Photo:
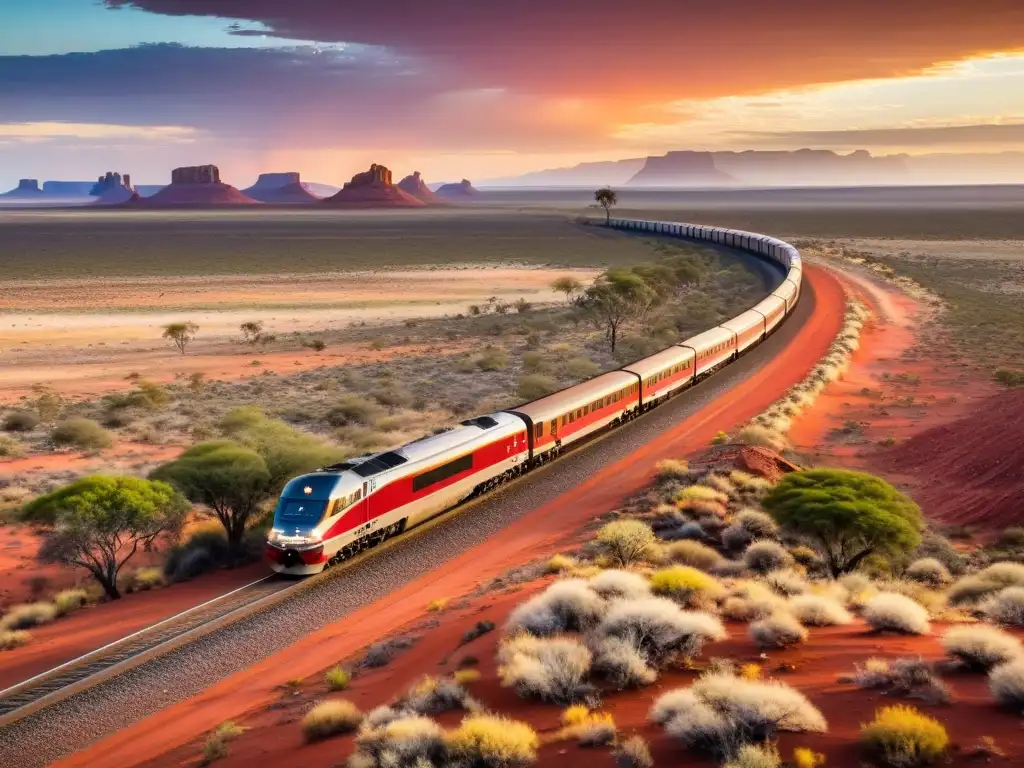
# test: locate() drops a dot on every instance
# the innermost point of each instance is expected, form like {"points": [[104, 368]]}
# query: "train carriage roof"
{"points": [[707, 339], [575, 397], [659, 361], [744, 322]]}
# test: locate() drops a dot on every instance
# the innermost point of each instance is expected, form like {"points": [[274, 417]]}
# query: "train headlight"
{"points": [[283, 539]]}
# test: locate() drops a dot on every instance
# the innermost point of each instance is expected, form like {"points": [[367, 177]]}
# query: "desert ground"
{"points": [[917, 405]]}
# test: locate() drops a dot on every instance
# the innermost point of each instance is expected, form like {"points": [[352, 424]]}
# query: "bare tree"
{"points": [[607, 199], [181, 334]]}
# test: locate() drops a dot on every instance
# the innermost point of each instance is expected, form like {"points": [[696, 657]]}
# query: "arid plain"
{"points": [[373, 312]]}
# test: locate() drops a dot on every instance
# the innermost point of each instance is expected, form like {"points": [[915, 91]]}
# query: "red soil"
{"points": [[547, 529], [749, 458], [974, 467], [95, 626], [193, 195]]}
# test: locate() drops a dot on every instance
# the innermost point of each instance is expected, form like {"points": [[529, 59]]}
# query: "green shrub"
{"points": [[903, 737], [535, 386], [337, 678], [685, 585], [493, 359], [20, 421], [84, 434], [1009, 378], [626, 541], [582, 368], [353, 409]]}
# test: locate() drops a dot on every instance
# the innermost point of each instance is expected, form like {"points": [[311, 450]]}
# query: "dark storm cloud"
{"points": [[315, 97], [893, 137], [644, 48]]}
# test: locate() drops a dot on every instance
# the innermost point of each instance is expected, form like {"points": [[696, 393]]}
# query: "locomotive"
{"points": [[331, 514]]}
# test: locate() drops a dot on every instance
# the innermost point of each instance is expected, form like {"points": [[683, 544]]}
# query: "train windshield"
{"points": [[300, 512]]}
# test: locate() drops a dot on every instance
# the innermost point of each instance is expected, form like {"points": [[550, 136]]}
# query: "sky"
{"points": [[468, 88]]}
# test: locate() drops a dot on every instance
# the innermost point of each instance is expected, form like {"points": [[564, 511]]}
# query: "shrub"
{"points": [[807, 758], [216, 746], [756, 756], [28, 615], [736, 538], [438, 605], [765, 556], [622, 662], [851, 513], [981, 647], [660, 628], [535, 386], [337, 678], [687, 586], [615, 584], [701, 493], [566, 606], [692, 530], [890, 612], [433, 695], [672, 469], [1007, 684], [330, 718], [353, 409], [780, 630], [748, 482], [490, 741], [410, 740], [465, 676], [818, 611], [903, 737], [1006, 607], [11, 448], [992, 579], [758, 524], [13, 638], [493, 359], [144, 579], [633, 753], [590, 729], [721, 712], [559, 563], [902, 677], [552, 669], [751, 600], [626, 541], [70, 600], [694, 554], [928, 571], [581, 368], [786, 582], [84, 434], [20, 421]]}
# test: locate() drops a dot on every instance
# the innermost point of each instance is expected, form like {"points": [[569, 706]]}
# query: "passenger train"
{"points": [[333, 513]]}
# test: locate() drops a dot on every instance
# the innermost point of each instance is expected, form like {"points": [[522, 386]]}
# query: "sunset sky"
{"points": [[483, 88]]}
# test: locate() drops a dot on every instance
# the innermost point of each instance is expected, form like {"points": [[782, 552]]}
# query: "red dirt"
{"points": [[547, 529], [193, 195], [974, 466], [95, 626]]}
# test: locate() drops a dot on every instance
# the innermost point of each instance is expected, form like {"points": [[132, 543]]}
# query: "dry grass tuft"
{"points": [[903, 737], [331, 718]]}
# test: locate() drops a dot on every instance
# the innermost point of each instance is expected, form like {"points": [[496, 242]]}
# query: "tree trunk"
{"points": [[607, 217], [109, 586]]}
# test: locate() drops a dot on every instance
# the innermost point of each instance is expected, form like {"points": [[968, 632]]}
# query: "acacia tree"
{"points": [[228, 478], [568, 285], [850, 515], [99, 523], [607, 199], [181, 334], [616, 297]]}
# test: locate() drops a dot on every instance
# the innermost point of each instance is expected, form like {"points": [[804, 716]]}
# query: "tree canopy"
{"points": [[99, 523], [607, 199], [616, 297], [181, 334], [850, 515]]}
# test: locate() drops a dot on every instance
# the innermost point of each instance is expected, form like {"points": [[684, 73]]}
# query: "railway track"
{"points": [[49, 687]]}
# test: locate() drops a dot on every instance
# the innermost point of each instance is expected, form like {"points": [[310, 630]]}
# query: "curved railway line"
{"points": [[202, 645]]}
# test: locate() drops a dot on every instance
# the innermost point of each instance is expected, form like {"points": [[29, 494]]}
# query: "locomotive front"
{"points": [[295, 543]]}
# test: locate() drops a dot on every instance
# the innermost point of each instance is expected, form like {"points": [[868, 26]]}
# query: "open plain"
{"points": [[939, 271]]}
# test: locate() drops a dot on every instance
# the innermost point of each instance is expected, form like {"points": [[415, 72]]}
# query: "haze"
{"points": [[495, 90]]}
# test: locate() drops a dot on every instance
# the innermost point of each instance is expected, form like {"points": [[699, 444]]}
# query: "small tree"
{"points": [[99, 523], [568, 285], [230, 479], [607, 199], [252, 331], [617, 297], [181, 334], [851, 515]]}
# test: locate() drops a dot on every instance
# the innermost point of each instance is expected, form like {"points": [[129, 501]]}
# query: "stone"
{"points": [[373, 188], [415, 186], [464, 190]]}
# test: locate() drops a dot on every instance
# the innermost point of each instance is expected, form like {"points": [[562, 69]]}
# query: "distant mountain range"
{"points": [[804, 167]]}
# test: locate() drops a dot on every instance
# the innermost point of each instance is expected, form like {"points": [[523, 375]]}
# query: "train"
{"points": [[336, 512]]}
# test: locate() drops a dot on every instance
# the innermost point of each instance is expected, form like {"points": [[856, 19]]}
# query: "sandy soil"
{"points": [[83, 337], [544, 531]]}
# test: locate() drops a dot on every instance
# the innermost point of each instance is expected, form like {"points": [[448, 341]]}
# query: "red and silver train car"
{"points": [[340, 510]]}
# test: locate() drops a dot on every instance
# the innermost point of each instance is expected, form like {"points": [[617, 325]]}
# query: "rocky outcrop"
{"points": [[25, 188], [280, 188], [464, 190], [681, 169], [195, 186], [112, 188], [373, 189], [415, 186]]}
